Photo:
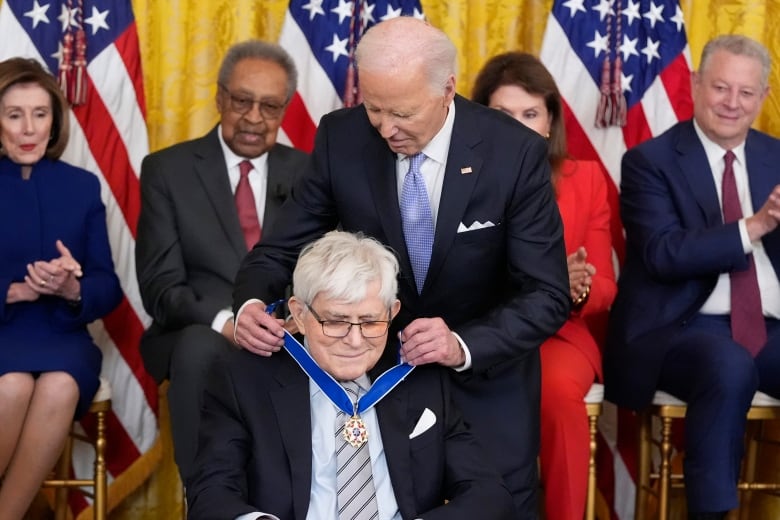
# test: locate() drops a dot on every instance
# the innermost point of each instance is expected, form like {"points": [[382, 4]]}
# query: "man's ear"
{"points": [[297, 309], [395, 308]]}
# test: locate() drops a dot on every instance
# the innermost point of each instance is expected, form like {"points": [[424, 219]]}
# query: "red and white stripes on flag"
{"points": [[633, 57], [108, 137], [321, 37]]}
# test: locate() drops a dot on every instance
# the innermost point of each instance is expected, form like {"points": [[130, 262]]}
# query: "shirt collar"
{"points": [[714, 151], [438, 147], [232, 160]]}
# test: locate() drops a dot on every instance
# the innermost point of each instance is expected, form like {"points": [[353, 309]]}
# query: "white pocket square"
{"points": [[424, 423], [476, 225]]}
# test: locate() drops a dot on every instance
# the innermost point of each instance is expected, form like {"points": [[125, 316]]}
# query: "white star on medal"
{"points": [[355, 432]]}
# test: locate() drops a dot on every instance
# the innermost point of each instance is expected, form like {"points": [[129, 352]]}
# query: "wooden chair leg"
{"points": [[643, 481], [590, 503], [665, 483], [749, 470], [101, 479], [63, 473]]}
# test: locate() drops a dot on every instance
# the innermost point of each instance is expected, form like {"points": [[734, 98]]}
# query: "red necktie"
{"points": [[245, 204], [747, 319]]}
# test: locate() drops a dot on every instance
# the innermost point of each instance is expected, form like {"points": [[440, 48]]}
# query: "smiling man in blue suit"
{"points": [[462, 194], [698, 299]]}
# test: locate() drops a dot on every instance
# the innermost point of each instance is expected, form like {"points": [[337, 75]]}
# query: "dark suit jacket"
{"points": [[255, 446], [676, 247], [189, 244], [504, 288]]}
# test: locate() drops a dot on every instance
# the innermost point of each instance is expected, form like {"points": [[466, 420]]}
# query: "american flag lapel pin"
{"points": [[465, 170]]}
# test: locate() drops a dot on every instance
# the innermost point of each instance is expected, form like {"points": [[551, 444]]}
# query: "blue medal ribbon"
{"points": [[334, 391], [330, 387]]}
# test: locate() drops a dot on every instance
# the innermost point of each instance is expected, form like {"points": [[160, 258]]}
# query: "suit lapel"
{"points": [[761, 173], [762, 178], [279, 180], [695, 169], [392, 413], [384, 190], [212, 172], [291, 403], [457, 187]]}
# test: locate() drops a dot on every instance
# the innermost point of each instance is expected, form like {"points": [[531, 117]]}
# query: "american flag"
{"points": [[623, 68], [108, 137], [321, 36]]}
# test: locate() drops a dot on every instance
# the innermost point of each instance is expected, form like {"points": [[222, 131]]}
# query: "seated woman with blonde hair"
{"points": [[519, 85], [57, 275]]}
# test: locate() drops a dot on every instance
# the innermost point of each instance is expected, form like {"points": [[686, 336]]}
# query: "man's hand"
{"points": [[765, 219], [258, 331], [429, 340]]}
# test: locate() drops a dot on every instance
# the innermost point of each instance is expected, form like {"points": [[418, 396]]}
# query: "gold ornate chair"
{"points": [[593, 404], [61, 479], [666, 407]]}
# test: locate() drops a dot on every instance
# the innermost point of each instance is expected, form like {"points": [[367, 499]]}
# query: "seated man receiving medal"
{"points": [[324, 431]]}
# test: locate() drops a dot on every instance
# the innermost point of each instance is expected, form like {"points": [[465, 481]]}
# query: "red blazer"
{"points": [[582, 201]]}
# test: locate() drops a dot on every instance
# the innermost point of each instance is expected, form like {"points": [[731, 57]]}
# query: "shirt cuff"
{"points": [[220, 319], [466, 354], [747, 246]]}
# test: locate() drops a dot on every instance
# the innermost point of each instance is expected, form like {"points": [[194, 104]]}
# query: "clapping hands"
{"points": [[58, 277], [580, 273]]}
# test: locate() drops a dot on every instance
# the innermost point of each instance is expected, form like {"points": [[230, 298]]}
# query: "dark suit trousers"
{"points": [[503, 411], [192, 352], [717, 378]]}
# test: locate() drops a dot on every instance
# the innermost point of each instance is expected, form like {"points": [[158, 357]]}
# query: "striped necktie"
{"points": [[356, 494]]}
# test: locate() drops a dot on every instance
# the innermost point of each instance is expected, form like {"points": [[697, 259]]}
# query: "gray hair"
{"points": [[257, 49], [341, 265], [397, 43], [741, 46]]}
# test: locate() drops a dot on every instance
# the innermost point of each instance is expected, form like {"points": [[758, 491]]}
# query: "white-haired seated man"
{"points": [[328, 431]]}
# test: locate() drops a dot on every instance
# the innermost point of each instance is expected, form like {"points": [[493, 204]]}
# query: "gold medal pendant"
{"points": [[355, 431]]}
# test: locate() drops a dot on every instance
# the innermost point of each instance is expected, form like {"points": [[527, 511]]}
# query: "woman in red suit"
{"points": [[519, 85]]}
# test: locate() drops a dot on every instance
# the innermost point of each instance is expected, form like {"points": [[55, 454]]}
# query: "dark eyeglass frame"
{"points": [[242, 104], [341, 323]]}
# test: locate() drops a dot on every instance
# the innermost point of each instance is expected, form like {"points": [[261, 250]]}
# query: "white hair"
{"points": [[342, 265]]}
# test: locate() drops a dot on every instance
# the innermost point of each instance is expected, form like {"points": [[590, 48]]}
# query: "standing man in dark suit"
{"points": [[474, 222], [683, 321], [274, 440], [198, 219]]}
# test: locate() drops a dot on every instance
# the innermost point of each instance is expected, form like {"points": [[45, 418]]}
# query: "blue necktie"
{"points": [[417, 220]]}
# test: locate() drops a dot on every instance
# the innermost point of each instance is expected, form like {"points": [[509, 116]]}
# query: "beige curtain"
{"points": [[182, 42]]}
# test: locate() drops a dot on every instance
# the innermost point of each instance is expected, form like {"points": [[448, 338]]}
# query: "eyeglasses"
{"points": [[341, 329], [242, 104]]}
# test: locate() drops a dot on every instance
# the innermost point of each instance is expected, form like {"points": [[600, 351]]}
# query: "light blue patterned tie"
{"points": [[417, 220]]}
